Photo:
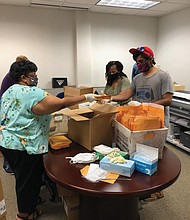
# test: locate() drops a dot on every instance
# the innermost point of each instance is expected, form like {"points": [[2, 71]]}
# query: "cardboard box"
{"points": [[146, 159], [91, 126], [71, 206], [70, 91], [70, 201], [77, 91], [2, 204], [126, 140], [125, 169], [59, 123], [62, 191], [178, 87]]}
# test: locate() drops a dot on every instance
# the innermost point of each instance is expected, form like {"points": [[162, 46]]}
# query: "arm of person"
{"points": [[51, 104], [123, 96], [166, 100]]}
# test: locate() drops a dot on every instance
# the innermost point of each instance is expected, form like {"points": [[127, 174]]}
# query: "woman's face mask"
{"points": [[143, 66], [33, 81]]}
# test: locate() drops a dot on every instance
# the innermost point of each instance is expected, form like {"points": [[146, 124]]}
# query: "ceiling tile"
{"points": [[152, 13], [15, 2], [90, 2], [76, 5], [47, 2], [167, 7], [179, 1], [126, 11], [102, 9]]}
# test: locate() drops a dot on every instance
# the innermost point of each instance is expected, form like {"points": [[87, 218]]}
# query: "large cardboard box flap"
{"points": [[103, 108], [98, 110]]}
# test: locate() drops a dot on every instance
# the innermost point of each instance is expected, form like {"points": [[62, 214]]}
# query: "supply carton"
{"points": [[70, 201], [62, 192], [2, 204], [71, 206], [59, 123], [77, 91], [70, 91], [146, 159], [178, 87], [91, 126], [125, 169], [126, 140]]}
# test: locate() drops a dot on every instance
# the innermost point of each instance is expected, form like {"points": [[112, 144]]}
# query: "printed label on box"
{"points": [[2, 207]]}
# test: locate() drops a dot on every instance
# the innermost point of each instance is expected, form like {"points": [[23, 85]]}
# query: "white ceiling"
{"points": [[165, 7]]}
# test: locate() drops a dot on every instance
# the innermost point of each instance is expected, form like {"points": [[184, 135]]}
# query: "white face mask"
{"points": [[83, 158]]}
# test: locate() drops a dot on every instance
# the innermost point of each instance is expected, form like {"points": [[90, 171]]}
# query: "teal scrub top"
{"points": [[24, 130]]}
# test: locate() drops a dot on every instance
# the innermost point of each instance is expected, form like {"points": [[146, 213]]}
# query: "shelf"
{"points": [[179, 114], [178, 144], [179, 124], [179, 120]]}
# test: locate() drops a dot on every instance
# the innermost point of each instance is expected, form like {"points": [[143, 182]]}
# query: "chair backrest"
{"points": [[60, 95]]}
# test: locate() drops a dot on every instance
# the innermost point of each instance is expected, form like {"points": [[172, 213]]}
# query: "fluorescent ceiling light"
{"points": [[140, 4]]}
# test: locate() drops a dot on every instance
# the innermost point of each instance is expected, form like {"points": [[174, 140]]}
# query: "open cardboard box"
{"points": [[91, 126], [126, 140]]}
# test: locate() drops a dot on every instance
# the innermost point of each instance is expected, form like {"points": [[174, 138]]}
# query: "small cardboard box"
{"points": [[62, 191], [71, 206], [126, 140], [71, 91], [125, 169], [59, 123], [178, 87], [91, 126], [77, 91], [146, 159], [2, 204]]}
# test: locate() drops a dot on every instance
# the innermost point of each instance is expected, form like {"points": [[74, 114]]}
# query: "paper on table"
{"points": [[111, 177]]}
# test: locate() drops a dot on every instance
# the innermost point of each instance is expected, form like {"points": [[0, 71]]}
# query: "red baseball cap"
{"points": [[144, 49]]}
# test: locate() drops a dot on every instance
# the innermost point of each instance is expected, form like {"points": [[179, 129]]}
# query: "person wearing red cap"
{"points": [[151, 85]]}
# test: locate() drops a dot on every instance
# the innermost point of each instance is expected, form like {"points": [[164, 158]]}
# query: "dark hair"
{"points": [[111, 78], [20, 68], [138, 53]]}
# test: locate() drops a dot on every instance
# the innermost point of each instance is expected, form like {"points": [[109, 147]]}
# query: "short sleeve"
{"points": [[35, 96]]}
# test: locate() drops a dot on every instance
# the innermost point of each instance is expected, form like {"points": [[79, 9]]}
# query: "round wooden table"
{"points": [[109, 201]]}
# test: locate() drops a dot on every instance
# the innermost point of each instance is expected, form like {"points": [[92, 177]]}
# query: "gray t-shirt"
{"points": [[152, 88]]}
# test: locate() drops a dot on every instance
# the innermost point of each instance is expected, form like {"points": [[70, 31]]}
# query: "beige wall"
{"points": [[173, 46], [74, 45]]}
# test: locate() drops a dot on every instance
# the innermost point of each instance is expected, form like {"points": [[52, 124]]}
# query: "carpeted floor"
{"points": [[174, 206]]}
